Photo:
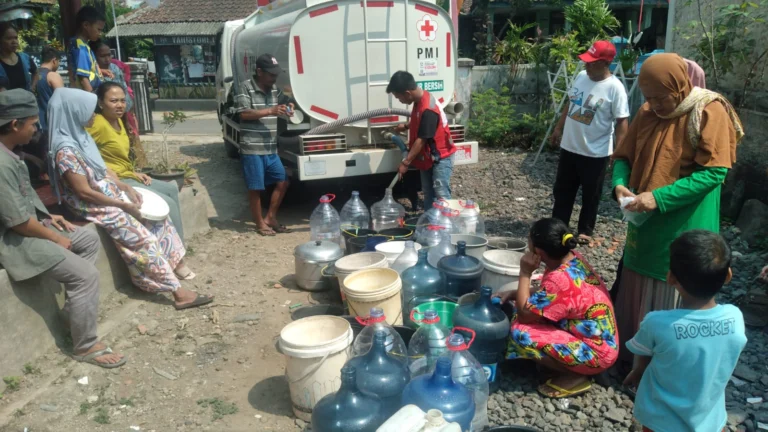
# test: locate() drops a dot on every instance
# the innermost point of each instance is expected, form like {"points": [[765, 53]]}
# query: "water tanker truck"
{"points": [[337, 58]]}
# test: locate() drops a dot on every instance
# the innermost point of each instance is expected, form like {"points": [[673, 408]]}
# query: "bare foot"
{"points": [[103, 359]]}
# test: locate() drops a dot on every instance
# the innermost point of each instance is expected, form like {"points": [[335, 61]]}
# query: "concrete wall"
{"points": [[29, 310], [731, 84]]}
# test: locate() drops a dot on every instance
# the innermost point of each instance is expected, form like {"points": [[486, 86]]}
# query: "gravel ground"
{"points": [[512, 195]]}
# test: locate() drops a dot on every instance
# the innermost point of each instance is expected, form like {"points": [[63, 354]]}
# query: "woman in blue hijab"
{"points": [[152, 250]]}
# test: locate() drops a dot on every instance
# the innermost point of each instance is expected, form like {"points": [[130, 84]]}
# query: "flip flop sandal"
{"points": [[198, 301], [185, 275], [264, 232], [90, 358], [584, 240], [282, 229], [561, 392]]}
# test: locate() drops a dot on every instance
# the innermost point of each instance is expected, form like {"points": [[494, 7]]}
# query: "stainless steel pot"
{"points": [[310, 259]]}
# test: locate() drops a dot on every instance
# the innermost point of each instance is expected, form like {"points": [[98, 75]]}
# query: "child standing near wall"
{"points": [[702, 339]]}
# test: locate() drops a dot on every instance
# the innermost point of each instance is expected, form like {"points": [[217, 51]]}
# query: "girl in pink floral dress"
{"points": [[151, 250], [568, 324]]}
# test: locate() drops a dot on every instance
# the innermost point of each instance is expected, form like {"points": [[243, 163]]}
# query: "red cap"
{"points": [[601, 50]]}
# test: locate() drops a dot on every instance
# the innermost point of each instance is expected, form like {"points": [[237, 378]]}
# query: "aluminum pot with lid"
{"points": [[310, 259]]}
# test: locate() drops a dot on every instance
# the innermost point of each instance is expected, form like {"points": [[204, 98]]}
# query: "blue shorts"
{"points": [[261, 171]]}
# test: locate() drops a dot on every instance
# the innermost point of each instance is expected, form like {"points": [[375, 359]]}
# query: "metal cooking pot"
{"points": [[310, 259]]}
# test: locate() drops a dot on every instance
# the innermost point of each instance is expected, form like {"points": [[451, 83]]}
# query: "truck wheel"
{"points": [[232, 151]]}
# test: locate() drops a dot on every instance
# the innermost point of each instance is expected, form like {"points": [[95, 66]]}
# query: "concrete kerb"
{"points": [[29, 310]]}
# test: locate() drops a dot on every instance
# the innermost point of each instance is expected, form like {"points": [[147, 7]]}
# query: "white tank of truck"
{"points": [[338, 57]]}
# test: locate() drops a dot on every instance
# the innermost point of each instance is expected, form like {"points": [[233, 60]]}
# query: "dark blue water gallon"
{"points": [[349, 409], [421, 283], [381, 374], [439, 391], [491, 327], [463, 273]]}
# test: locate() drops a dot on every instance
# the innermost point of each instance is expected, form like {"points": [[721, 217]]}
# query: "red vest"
{"points": [[443, 142]]}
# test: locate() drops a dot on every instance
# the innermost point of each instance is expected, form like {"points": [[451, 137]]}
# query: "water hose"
{"points": [[357, 117]]}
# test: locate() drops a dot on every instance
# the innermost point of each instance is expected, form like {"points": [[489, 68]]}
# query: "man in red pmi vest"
{"points": [[430, 147]]}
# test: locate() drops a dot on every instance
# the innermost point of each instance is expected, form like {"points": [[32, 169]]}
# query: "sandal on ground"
{"points": [[184, 274], [198, 301], [584, 239], [266, 232], [90, 358], [282, 229], [560, 392]]}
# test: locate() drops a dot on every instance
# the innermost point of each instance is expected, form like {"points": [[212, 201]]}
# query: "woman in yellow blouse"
{"points": [[109, 132]]}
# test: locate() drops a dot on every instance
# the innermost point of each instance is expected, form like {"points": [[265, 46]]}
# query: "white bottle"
{"points": [[411, 418]]}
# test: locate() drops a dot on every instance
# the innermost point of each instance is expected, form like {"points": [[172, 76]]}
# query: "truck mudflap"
{"points": [[358, 162]]}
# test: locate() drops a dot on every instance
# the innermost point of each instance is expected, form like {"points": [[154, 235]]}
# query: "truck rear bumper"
{"points": [[358, 162]]}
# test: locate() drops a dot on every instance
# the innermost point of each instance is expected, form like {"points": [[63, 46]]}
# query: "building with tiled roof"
{"points": [[185, 35]]}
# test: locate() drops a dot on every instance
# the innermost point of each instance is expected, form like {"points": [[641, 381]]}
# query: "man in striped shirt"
{"points": [[260, 104]]}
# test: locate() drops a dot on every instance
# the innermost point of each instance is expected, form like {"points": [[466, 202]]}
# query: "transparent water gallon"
{"points": [[387, 213], [407, 259], [428, 343], [449, 219], [354, 214], [325, 223], [377, 321], [432, 236], [430, 217], [444, 248], [470, 220]]}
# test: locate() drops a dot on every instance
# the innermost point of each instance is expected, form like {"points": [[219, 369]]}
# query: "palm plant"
{"points": [[591, 19]]}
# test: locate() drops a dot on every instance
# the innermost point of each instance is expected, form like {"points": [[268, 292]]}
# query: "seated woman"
{"points": [[111, 137], [151, 250], [568, 324]]}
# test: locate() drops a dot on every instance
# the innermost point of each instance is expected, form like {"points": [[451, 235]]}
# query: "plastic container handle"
{"points": [[331, 197], [424, 321], [468, 330]]}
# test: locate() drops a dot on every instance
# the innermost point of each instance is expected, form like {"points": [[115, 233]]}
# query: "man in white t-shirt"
{"points": [[598, 106]]}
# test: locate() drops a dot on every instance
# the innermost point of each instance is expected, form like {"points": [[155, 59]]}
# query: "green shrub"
{"points": [[495, 123]]}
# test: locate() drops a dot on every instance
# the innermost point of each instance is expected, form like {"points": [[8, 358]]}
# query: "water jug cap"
{"points": [[447, 211], [430, 316], [376, 316], [486, 291], [355, 193], [435, 227], [327, 198], [496, 300], [439, 204], [409, 244], [461, 248], [456, 342], [468, 204]]}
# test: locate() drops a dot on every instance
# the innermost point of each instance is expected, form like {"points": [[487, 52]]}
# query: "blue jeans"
{"points": [[436, 182]]}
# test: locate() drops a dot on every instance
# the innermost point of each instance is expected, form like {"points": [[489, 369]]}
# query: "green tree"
{"points": [[591, 19]]}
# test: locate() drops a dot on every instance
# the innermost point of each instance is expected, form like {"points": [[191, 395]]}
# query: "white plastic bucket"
{"points": [[366, 289], [351, 263], [315, 348], [393, 249], [476, 245], [502, 269]]}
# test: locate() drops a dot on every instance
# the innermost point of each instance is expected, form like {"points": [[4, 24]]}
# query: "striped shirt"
{"points": [[258, 137]]}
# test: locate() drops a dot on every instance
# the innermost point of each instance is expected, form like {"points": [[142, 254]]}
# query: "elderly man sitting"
{"points": [[33, 242]]}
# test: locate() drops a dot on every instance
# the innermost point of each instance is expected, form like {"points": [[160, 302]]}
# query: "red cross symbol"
{"points": [[427, 28]]}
